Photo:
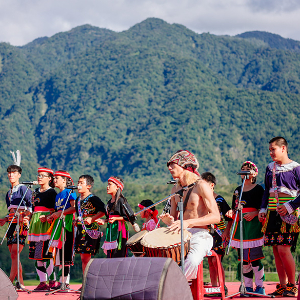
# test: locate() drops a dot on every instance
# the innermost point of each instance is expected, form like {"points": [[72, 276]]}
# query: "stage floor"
{"points": [[233, 287]]}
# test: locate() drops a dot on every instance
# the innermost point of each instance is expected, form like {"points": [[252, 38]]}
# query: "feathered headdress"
{"points": [[17, 160]]}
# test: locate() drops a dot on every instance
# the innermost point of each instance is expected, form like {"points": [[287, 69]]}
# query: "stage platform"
{"points": [[233, 287]]}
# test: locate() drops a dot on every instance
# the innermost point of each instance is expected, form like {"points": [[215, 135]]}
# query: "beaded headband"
{"points": [[248, 162]]}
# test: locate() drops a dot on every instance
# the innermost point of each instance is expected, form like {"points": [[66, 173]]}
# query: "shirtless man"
{"points": [[201, 209]]}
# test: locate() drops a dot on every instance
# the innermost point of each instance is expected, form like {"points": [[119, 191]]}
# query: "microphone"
{"points": [[30, 182], [251, 172], [172, 182], [72, 187]]}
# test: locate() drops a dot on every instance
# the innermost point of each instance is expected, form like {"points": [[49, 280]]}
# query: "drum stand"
{"points": [[242, 290], [63, 287], [17, 215], [180, 209]]}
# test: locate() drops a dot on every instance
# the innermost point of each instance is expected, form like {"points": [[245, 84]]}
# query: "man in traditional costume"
{"points": [[13, 200], [200, 209], [88, 208], [279, 211]]}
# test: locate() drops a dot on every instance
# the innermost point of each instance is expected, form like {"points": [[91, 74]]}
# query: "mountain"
{"points": [[95, 101], [271, 40]]}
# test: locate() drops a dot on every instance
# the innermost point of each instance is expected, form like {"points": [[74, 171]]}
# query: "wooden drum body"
{"points": [[162, 242], [134, 243]]}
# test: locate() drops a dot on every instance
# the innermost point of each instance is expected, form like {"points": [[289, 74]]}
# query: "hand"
{"points": [[167, 219], [261, 216], [112, 219], [88, 220], [100, 221], [43, 218], [250, 215], [281, 209], [50, 219], [176, 226], [56, 215], [229, 214], [26, 219]]}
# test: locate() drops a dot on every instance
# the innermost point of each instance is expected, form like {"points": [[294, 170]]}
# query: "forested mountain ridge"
{"points": [[92, 100]]}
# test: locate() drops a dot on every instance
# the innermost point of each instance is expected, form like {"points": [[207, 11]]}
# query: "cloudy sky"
{"points": [[22, 21]]}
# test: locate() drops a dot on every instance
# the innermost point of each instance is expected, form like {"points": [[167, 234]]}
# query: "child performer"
{"points": [[43, 202], [13, 199], [252, 236], [219, 228], [150, 215], [62, 180], [117, 230], [88, 209]]}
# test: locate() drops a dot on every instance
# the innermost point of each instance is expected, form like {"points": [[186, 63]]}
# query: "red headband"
{"points": [[40, 170], [118, 183], [63, 174]]}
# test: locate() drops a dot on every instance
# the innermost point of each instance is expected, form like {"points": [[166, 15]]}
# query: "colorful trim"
{"points": [[46, 170], [63, 174]]}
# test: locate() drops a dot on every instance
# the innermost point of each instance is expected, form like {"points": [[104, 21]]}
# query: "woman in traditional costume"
{"points": [[253, 239], [117, 230], [43, 202], [65, 200]]}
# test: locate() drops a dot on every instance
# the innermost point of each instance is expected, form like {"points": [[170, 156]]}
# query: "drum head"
{"points": [[163, 238], [136, 237]]}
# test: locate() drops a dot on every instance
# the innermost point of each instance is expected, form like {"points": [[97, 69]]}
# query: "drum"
{"points": [[162, 242], [134, 243]]}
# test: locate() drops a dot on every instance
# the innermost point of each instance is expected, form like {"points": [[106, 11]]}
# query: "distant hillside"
{"points": [[272, 40], [92, 100]]}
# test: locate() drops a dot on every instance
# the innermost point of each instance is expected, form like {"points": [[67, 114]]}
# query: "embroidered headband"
{"points": [[40, 170], [252, 164], [186, 160], [63, 174], [117, 182]]}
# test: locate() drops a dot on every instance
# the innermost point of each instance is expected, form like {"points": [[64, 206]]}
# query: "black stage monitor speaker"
{"points": [[134, 278], [7, 290]]}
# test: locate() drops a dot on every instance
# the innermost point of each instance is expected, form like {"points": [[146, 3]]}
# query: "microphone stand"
{"points": [[242, 290], [63, 287], [180, 209]]}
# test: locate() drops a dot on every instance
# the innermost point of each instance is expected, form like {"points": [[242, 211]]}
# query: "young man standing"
{"points": [[13, 199], [282, 182], [88, 209], [200, 209]]}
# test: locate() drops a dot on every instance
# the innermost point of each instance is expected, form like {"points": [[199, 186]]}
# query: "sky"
{"points": [[22, 21]]}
